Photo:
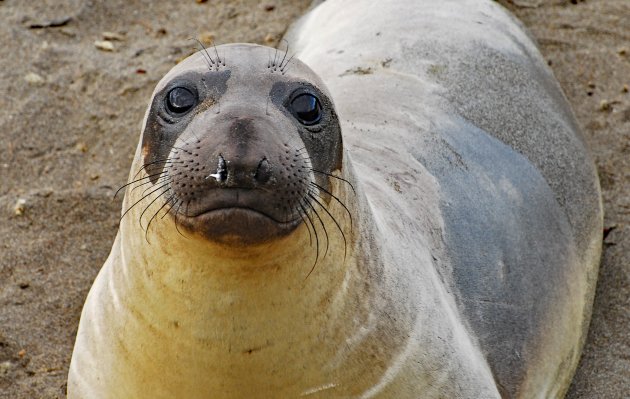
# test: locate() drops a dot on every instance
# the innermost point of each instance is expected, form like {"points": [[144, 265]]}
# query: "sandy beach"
{"points": [[75, 78]]}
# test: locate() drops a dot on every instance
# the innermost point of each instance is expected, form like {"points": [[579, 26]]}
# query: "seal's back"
{"points": [[458, 89]]}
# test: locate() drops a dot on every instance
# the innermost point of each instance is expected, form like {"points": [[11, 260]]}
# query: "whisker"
{"points": [[323, 226], [164, 161], [149, 205], [207, 57], [310, 238], [172, 203], [286, 66], [161, 161], [146, 232], [316, 240], [138, 201], [177, 213], [159, 181], [217, 54], [136, 181], [345, 243], [337, 199], [274, 59], [336, 177], [285, 53]]}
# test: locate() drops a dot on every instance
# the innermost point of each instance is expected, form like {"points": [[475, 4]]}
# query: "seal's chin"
{"points": [[238, 226]]}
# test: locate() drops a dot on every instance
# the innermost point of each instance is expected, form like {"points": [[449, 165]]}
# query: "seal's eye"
{"points": [[180, 100], [306, 107]]}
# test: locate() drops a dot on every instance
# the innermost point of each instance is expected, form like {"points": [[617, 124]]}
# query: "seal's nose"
{"points": [[242, 163], [241, 172]]}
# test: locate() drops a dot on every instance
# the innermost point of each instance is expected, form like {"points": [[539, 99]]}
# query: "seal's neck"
{"points": [[280, 280], [237, 313]]}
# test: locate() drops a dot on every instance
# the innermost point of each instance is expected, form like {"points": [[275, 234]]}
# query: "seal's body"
{"points": [[446, 245]]}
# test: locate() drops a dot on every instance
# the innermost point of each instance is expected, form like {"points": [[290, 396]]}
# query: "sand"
{"points": [[75, 77]]}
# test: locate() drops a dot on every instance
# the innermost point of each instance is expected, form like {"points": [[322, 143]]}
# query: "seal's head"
{"points": [[240, 141]]}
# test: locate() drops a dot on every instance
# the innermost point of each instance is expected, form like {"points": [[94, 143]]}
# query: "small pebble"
{"points": [[269, 38], [45, 192], [624, 89], [20, 207], [113, 36], [34, 79], [200, 1], [5, 367], [232, 13], [207, 38], [104, 45], [70, 32], [22, 353], [623, 51], [605, 105], [80, 146]]}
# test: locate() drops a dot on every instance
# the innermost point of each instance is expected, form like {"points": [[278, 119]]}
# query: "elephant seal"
{"points": [[434, 233]]}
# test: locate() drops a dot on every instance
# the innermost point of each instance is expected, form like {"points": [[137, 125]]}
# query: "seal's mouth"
{"points": [[236, 215], [233, 216], [239, 212], [264, 203]]}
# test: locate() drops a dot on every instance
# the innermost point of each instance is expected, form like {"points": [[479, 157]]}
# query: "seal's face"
{"points": [[240, 143]]}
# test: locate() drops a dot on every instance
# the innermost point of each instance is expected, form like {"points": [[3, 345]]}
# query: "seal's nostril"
{"points": [[263, 172], [222, 173], [222, 170]]}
